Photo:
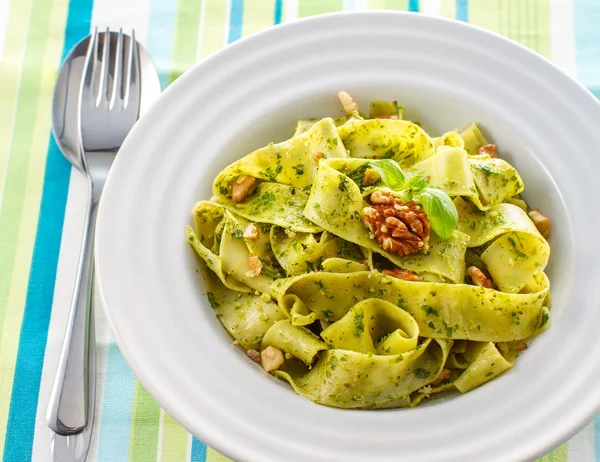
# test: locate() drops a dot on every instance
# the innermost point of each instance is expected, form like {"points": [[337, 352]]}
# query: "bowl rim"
{"points": [[218, 441]]}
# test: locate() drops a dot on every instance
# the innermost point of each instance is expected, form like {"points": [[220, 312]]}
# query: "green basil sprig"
{"points": [[390, 173], [438, 206], [440, 209]]}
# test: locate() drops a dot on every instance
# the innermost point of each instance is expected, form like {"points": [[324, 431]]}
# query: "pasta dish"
{"points": [[371, 265]]}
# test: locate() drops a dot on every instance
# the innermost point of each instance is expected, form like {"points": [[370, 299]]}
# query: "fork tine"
{"points": [[132, 68], [117, 74], [90, 60], [103, 85]]}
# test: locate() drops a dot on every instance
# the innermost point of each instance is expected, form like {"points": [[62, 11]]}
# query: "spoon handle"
{"points": [[75, 376]]}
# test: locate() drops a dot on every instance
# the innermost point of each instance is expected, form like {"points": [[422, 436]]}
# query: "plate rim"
{"points": [[221, 443]]}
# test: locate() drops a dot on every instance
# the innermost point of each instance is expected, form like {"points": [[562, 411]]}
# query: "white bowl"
{"points": [[445, 74]]}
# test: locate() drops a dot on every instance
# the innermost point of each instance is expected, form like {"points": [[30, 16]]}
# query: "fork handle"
{"points": [[75, 376]]}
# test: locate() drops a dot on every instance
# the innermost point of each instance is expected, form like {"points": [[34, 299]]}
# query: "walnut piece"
{"points": [[521, 346], [489, 149], [254, 266], [348, 102], [479, 278], [541, 222], [401, 228], [317, 156], [253, 355], [402, 274], [241, 187], [251, 231], [444, 376], [271, 358], [370, 177]]}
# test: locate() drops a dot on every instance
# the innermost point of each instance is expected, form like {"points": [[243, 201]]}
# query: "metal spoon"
{"points": [[70, 440]]}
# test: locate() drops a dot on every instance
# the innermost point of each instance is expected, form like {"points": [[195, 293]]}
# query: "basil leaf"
{"points": [[418, 183], [440, 210], [390, 173]]}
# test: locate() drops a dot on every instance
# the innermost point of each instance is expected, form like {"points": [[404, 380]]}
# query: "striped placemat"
{"points": [[42, 201]]}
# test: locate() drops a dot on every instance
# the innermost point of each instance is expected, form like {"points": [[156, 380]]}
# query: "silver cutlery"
{"points": [[97, 100]]}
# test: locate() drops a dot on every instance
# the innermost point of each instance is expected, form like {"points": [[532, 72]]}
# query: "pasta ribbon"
{"points": [[355, 380], [517, 250], [444, 311], [400, 140], [485, 181]]}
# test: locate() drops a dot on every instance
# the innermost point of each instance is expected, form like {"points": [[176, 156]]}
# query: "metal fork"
{"points": [[109, 107]]}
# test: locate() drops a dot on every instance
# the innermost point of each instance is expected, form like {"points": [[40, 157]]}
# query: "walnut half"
{"points": [[401, 228]]}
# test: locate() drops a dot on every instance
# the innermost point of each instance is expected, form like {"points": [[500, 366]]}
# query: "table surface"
{"points": [[42, 201]]}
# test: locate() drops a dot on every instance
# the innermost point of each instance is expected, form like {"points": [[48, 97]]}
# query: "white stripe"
{"points": [[201, 31], [580, 448], [102, 343], [562, 35], [291, 10], [431, 7], [361, 5], [4, 11], [161, 430], [188, 455], [130, 14], [63, 292]]}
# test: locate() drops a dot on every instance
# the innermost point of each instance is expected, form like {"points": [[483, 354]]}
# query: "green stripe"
{"points": [[185, 44], [401, 5], [560, 454], [542, 29], [174, 440], [144, 426], [214, 456], [485, 13], [258, 15], [313, 7], [10, 70], [215, 21], [448, 9], [25, 169]]}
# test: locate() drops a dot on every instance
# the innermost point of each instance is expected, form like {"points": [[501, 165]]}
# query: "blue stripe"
{"points": [[413, 5], [587, 38], [462, 10], [119, 389], [163, 15], [198, 451], [40, 290], [597, 438], [278, 11], [236, 17]]}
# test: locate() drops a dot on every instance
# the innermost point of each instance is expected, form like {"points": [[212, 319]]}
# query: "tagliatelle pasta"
{"points": [[371, 265]]}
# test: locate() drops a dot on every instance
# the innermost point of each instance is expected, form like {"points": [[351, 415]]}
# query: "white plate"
{"points": [[445, 74]]}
